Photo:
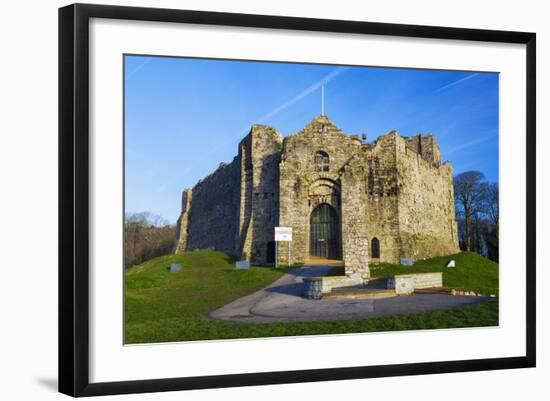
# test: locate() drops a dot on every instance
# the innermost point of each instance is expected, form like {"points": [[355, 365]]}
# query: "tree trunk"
{"points": [[467, 225]]}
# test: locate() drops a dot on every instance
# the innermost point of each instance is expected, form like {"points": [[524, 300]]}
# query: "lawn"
{"points": [[164, 306], [472, 272]]}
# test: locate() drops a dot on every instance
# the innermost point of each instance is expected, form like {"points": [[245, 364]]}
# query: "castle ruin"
{"points": [[344, 199]]}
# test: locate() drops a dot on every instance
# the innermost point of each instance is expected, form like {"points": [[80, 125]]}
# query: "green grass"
{"points": [[472, 272], [164, 306], [159, 303]]}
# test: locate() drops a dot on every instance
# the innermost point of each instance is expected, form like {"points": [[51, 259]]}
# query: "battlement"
{"points": [[426, 146]]}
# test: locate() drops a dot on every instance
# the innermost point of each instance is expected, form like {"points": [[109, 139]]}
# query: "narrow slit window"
{"points": [[375, 248]]}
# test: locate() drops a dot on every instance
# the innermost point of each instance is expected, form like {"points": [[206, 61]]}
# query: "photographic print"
{"points": [[268, 199]]}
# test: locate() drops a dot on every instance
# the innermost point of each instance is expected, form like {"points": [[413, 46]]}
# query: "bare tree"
{"points": [[470, 192], [146, 236], [491, 211], [491, 203]]}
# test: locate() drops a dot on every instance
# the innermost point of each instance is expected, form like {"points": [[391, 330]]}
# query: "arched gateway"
{"points": [[324, 232]]}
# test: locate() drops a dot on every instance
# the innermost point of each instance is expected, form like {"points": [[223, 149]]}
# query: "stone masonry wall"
{"points": [[182, 226], [427, 224], [246, 194], [259, 194], [303, 187], [381, 200], [355, 242], [213, 217]]}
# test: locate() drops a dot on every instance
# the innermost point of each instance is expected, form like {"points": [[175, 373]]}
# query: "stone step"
{"points": [[360, 293]]}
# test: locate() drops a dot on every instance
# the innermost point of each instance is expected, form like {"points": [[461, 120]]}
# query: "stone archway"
{"points": [[324, 232]]}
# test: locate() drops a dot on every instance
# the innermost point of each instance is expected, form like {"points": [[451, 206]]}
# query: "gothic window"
{"points": [[321, 161], [375, 248]]}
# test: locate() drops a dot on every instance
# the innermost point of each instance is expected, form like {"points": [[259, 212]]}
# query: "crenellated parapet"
{"points": [[426, 146]]}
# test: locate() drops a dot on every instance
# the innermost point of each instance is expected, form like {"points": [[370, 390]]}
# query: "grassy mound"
{"points": [[472, 272], [164, 306], [157, 300]]}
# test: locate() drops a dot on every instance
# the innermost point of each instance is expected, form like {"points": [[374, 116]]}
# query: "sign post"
{"points": [[283, 234]]}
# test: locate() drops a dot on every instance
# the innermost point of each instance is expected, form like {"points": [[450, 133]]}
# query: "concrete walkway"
{"points": [[282, 302]]}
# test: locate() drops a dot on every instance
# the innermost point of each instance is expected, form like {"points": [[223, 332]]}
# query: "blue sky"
{"points": [[185, 116]]}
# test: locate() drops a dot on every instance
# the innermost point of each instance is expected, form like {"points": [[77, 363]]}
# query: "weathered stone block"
{"points": [[313, 288], [406, 261], [405, 284], [242, 264], [175, 267]]}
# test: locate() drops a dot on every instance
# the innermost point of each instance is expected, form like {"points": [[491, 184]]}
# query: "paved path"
{"points": [[281, 301]]}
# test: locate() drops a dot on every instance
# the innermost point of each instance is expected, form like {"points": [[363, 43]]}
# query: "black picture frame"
{"points": [[74, 198]]}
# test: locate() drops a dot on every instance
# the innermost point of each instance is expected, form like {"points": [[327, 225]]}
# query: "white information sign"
{"points": [[283, 233]]}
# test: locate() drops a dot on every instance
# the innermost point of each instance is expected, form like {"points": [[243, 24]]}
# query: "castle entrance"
{"points": [[324, 232]]}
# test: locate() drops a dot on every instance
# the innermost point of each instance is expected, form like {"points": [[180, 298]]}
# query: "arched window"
{"points": [[375, 248], [321, 161]]}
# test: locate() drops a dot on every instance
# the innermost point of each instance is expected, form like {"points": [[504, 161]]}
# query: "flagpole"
{"points": [[322, 100]]}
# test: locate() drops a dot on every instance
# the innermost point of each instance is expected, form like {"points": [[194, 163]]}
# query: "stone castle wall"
{"points": [[381, 197], [182, 226], [235, 209], [259, 193], [303, 187], [409, 200], [395, 190], [211, 212], [355, 242], [426, 147], [427, 222]]}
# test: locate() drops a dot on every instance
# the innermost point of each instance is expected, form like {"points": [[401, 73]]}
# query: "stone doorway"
{"points": [[270, 253], [324, 232]]}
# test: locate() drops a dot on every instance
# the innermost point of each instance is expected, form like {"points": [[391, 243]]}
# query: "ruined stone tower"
{"points": [[344, 199]]}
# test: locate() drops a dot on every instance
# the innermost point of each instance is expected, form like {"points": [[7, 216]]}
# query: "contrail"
{"points": [[138, 67], [329, 77], [456, 82], [470, 144]]}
